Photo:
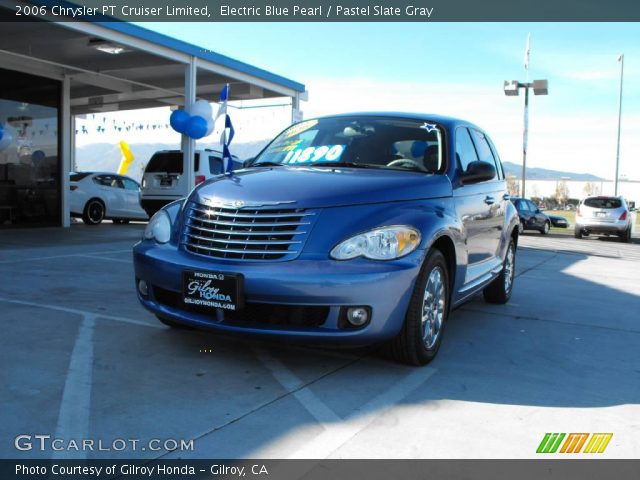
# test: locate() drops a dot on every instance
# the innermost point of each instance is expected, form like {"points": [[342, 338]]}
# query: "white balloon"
{"points": [[210, 126], [201, 108]]}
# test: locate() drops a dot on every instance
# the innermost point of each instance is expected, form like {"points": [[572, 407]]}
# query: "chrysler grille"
{"points": [[246, 233]]}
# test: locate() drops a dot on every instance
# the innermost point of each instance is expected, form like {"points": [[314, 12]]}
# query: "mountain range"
{"points": [[106, 157]]}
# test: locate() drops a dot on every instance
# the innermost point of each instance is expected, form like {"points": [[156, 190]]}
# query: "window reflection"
{"points": [[29, 161]]}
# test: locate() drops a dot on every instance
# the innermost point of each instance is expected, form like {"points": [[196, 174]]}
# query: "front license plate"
{"points": [[165, 182], [212, 290]]}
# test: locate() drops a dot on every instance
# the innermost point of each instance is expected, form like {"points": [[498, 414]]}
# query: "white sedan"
{"points": [[96, 196]]}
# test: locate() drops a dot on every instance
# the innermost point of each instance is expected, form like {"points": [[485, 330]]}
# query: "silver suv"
{"points": [[604, 215]]}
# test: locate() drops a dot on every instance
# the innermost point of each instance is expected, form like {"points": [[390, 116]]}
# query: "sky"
{"points": [[457, 69]]}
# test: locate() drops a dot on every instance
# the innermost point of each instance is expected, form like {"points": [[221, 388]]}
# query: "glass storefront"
{"points": [[30, 166]]}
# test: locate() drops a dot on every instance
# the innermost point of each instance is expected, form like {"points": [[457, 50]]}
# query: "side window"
{"points": [[532, 206], [130, 184], [484, 150], [116, 182], [215, 164], [465, 151], [522, 206], [196, 162], [103, 180], [499, 167]]}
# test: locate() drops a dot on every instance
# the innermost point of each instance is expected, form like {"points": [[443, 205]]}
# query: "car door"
{"points": [[478, 207], [538, 218], [132, 199], [108, 191]]}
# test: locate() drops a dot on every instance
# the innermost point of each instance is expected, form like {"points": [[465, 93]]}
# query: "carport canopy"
{"points": [[114, 66]]}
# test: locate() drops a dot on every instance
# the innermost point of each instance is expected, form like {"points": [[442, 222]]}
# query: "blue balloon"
{"points": [[179, 120], [38, 156], [196, 127]]}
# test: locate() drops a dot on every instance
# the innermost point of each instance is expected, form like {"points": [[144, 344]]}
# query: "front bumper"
{"points": [[385, 287]]}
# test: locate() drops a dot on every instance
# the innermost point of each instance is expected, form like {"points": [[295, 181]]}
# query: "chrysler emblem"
{"points": [[224, 203]]}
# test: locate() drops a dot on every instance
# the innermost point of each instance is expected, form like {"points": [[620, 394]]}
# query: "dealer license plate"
{"points": [[211, 290]]}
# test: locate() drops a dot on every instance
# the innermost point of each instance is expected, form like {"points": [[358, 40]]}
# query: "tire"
{"points": [[626, 236], [172, 324], [499, 290], [414, 345], [577, 232], [93, 212], [545, 229]]}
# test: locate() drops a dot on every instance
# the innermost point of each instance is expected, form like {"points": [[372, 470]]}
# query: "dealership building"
{"points": [[51, 72]]}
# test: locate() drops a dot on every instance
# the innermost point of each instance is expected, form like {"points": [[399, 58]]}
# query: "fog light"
{"points": [[143, 288], [357, 316]]}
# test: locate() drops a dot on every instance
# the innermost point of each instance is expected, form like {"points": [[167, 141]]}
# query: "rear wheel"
{"points": [[626, 236], [172, 324], [577, 232], [499, 291], [93, 212], [421, 335]]}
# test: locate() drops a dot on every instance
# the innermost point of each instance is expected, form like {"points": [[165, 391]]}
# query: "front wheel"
{"points": [[421, 335], [545, 228], [499, 290]]}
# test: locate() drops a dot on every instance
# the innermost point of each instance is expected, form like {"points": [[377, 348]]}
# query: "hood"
{"points": [[307, 187]]}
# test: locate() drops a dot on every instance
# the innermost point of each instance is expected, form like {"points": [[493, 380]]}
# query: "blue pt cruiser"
{"points": [[349, 229]]}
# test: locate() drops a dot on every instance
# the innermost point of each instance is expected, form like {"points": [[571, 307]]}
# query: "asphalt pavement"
{"points": [[82, 360]]}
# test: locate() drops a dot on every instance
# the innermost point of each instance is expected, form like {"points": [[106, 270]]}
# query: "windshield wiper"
{"points": [[344, 164], [266, 164]]}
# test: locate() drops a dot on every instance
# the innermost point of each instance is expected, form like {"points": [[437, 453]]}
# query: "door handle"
{"points": [[489, 200], [506, 196]]}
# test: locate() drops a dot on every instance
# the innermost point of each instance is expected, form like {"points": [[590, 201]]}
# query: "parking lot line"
{"points": [[81, 312], [120, 260], [75, 406], [55, 257], [290, 382], [339, 433]]}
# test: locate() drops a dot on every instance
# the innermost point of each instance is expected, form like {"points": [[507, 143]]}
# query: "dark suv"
{"points": [[350, 229]]}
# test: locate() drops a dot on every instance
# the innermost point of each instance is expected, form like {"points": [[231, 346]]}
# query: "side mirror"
{"points": [[478, 172]]}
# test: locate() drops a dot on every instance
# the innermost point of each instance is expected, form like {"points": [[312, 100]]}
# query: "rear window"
{"points": [[76, 177], [170, 162], [603, 202]]}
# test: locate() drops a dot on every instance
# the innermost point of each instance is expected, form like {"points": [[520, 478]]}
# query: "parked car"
{"points": [[531, 217], [163, 180], [96, 196], [558, 221], [604, 216], [350, 229]]}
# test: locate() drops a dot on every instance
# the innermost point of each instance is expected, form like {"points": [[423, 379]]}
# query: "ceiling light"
{"points": [[106, 46]]}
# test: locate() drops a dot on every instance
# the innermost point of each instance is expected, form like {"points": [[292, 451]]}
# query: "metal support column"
{"points": [[65, 134], [188, 143]]}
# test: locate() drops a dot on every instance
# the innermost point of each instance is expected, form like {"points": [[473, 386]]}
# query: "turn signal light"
{"points": [[199, 179]]}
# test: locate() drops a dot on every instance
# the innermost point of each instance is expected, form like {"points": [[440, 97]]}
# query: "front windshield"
{"points": [[359, 142]]}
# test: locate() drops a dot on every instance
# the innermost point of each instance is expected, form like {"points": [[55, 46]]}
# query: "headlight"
{"points": [[159, 228], [385, 243]]}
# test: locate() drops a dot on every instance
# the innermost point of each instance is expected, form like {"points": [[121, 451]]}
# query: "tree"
{"points": [[590, 189], [513, 187], [562, 192]]}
